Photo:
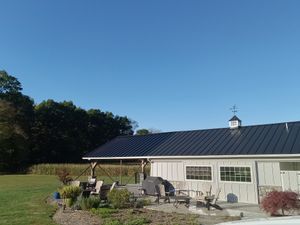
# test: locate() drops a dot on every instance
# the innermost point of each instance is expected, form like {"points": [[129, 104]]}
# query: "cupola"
{"points": [[235, 122]]}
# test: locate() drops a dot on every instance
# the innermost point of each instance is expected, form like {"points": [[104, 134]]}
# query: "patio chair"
{"points": [[113, 185], [218, 191], [212, 200], [97, 188], [208, 193], [200, 199], [91, 181]]}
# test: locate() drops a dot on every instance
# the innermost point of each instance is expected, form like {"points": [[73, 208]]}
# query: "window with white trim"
{"points": [[235, 173], [198, 173]]}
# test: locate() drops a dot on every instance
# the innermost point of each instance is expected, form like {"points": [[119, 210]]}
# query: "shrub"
{"points": [[119, 198], [88, 203], [71, 192], [277, 202], [104, 212], [138, 204], [64, 176]]}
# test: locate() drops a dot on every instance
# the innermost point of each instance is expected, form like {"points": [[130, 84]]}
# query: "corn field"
{"points": [[77, 169]]}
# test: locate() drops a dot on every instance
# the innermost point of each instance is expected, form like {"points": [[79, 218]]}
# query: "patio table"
{"points": [[182, 200]]}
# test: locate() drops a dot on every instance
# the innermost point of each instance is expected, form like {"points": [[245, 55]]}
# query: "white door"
{"points": [[290, 180]]}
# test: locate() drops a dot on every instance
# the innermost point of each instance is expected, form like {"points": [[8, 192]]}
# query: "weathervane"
{"points": [[234, 109]]}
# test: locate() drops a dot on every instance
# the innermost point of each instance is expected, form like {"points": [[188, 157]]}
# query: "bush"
{"points": [[71, 192], [104, 212], [277, 202], [119, 198], [64, 176], [89, 203]]}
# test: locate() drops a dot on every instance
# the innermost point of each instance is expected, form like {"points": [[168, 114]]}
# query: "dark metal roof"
{"points": [[270, 139], [234, 118]]}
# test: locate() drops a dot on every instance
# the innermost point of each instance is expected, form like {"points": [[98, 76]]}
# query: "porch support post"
{"points": [[93, 166], [143, 164], [121, 171]]}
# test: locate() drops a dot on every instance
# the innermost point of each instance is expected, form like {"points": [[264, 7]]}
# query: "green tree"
{"points": [[13, 139], [59, 132], [104, 126], [64, 133], [147, 131], [9, 83], [142, 132], [16, 113], [50, 131]]}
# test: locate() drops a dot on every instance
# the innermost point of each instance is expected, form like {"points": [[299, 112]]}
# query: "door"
{"points": [[290, 180]]}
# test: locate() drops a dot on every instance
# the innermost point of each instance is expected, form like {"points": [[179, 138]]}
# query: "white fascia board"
{"points": [[196, 157]]}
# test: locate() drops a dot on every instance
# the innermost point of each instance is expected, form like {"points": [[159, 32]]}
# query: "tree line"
{"points": [[50, 132]]}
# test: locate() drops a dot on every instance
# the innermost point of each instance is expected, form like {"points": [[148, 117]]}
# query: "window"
{"points": [[290, 166], [233, 123], [235, 174], [198, 173]]}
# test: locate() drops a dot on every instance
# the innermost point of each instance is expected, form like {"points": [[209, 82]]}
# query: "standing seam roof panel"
{"points": [[288, 141], [197, 145], [262, 137], [213, 146], [275, 139], [255, 139], [179, 144], [267, 142], [243, 134], [249, 140], [296, 145]]}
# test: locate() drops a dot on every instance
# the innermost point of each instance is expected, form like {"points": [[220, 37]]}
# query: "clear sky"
{"points": [[169, 65]]}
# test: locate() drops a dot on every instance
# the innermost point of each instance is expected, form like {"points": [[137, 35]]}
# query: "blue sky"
{"points": [[169, 65]]}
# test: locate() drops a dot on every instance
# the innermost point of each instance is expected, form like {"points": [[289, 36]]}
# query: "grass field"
{"points": [[22, 199]]}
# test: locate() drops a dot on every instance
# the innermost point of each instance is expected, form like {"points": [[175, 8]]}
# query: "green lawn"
{"points": [[22, 199]]}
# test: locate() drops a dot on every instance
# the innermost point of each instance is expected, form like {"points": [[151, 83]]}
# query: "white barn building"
{"points": [[242, 161]]}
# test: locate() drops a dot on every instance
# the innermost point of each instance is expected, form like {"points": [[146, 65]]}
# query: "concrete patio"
{"points": [[243, 210]]}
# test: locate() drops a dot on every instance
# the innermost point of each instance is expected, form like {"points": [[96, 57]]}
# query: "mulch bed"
{"points": [[81, 217], [78, 217]]}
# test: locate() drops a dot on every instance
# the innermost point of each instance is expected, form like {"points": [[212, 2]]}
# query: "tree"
{"points": [[104, 126], [50, 131], [13, 139], [16, 113], [63, 132], [142, 132], [147, 131], [59, 132], [9, 83]]}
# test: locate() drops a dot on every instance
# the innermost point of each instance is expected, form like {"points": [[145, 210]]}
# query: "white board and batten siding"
{"points": [[170, 170], [269, 173], [284, 173], [174, 171]]}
